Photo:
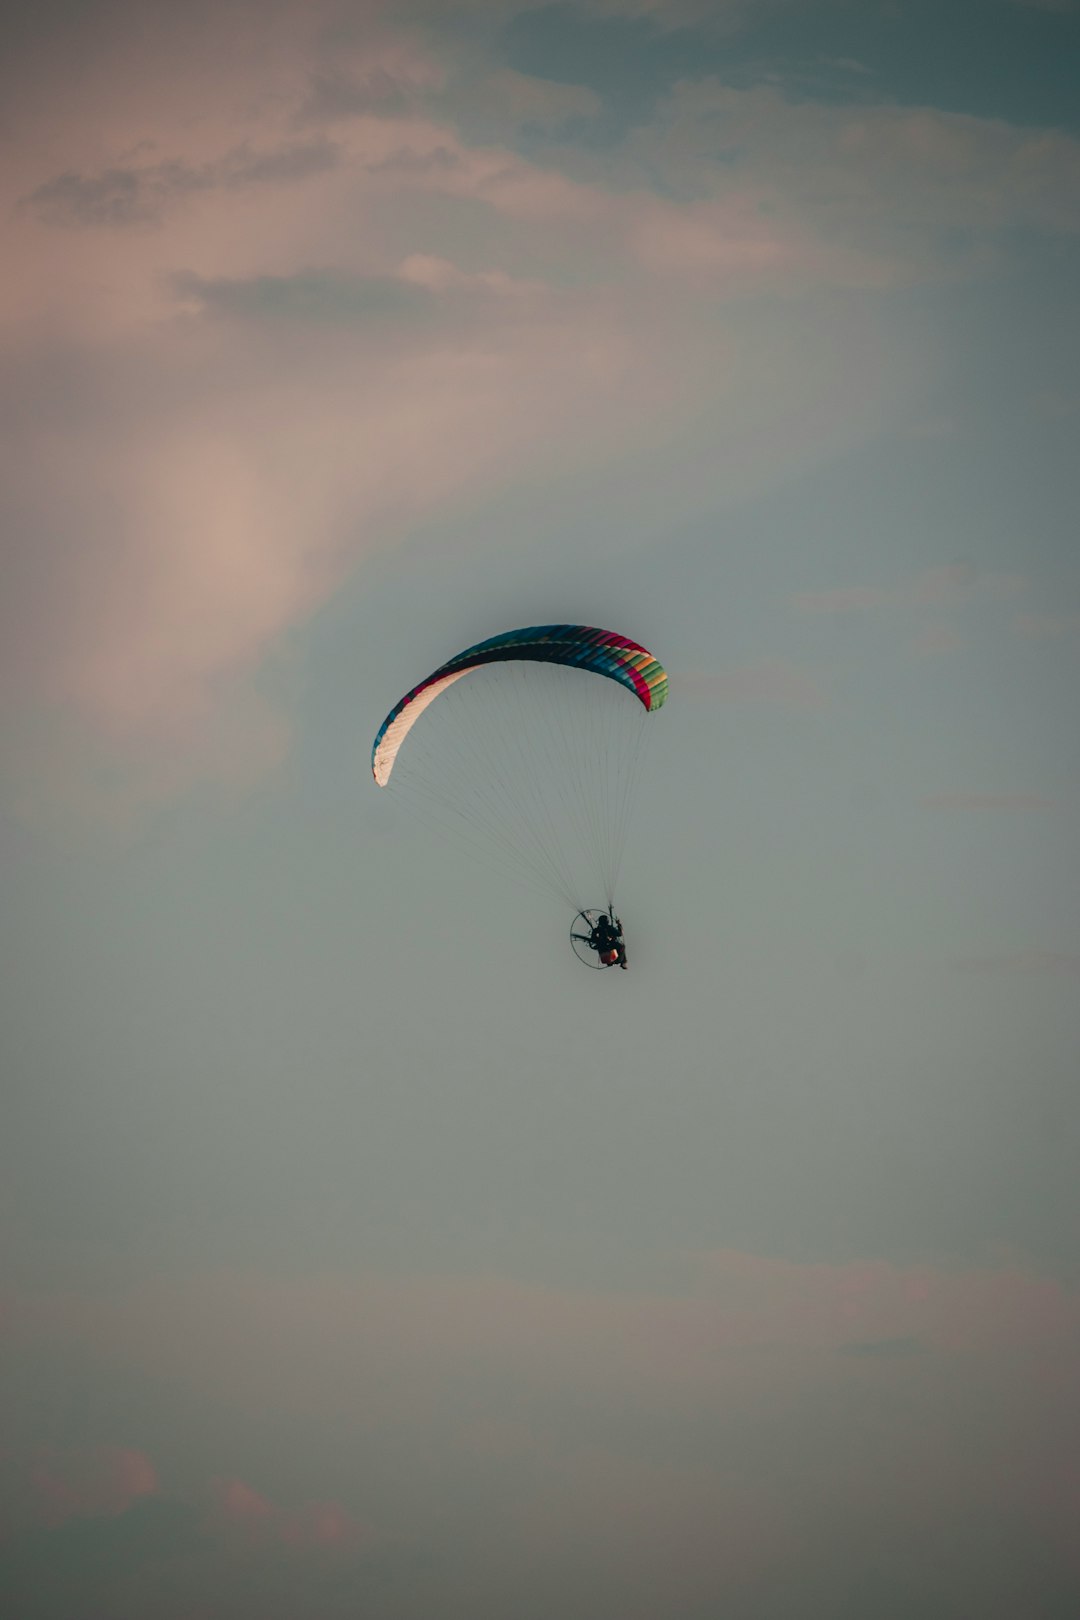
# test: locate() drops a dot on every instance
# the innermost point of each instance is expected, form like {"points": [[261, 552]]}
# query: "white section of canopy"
{"points": [[387, 751]]}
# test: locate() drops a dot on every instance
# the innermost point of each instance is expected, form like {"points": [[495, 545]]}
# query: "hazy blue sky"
{"points": [[355, 1258]]}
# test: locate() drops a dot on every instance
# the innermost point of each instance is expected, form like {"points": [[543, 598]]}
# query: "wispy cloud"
{"points": [[122, 197], [847, 64], [238, 1507], [508, 100], [573, 1414], [97, 1482], [322, 296], [405, 1338], [409, 379], [385, 77], [81, 1528], [889, 181], [324, 270]]}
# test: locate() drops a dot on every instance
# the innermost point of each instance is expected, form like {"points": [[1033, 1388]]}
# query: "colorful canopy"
{"points": [[600, 652]]}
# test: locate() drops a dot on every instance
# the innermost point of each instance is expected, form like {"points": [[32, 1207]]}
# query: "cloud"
{"points": [[217, 503], [348, 318], [323, 296], [407, 163], [441, 276], [407, 1340], [95, 1483], [848, 64], [237, 1507], [335, 95], [508, 100], [288, 163], [730, 243], [683, 1440], [987, 801], [913, 192], [118, 198], [775, 683], [222, 473], [97, 1547], [383, 77], [421, 286]]}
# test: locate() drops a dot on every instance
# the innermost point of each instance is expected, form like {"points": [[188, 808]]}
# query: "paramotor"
{"points": [[529, 756]]}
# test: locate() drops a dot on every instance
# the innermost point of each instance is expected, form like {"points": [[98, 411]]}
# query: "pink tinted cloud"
{"points": [[323, 1524], [242, 1511], [216, 491], [191, 479], [99, 1482], [52, 1486], [549, 1424], [207, 528], [717, 244], [402, 1339], [238, 1506]]}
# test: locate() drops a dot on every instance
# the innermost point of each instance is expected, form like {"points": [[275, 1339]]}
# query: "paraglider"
{"points": [[533, 759], [604, 937]]}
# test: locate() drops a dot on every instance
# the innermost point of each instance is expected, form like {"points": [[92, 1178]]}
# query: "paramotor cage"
{"points": [[582, 933]]}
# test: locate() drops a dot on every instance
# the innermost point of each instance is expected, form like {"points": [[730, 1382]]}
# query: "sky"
{"points": [[360, 1252]]}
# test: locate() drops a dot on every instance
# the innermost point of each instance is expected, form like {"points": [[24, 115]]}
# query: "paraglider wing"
{"points": [[600, 652]]}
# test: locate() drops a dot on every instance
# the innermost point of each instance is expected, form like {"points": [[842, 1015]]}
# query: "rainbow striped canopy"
{"points": [[599, 652]]}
